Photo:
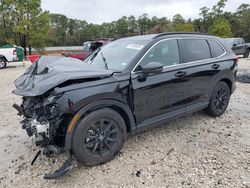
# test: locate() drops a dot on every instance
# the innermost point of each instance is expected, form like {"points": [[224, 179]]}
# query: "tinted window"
{"points": [[216, 49], [194, 50], [165, 52], [235, 42]]}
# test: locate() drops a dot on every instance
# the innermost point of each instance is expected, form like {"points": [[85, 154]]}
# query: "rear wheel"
{"points": [[246, 55], [219, 100], [3, 63], [99, 137]]}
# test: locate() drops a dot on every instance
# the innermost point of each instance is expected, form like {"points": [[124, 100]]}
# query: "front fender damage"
{"points": [[45, 118]]}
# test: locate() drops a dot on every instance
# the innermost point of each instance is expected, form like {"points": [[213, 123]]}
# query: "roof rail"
{"points": [[174, 33]]}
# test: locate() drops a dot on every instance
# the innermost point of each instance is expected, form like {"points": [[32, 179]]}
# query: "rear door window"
{"points": [[194, 50], [216, 48]]}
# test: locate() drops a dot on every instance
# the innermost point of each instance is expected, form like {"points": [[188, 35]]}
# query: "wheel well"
{"points": [[3, 58], [129, 122], [229, 83], [123, 114]]}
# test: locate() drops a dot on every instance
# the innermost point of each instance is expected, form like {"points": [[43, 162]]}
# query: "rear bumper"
{"points": [[15, 58]]}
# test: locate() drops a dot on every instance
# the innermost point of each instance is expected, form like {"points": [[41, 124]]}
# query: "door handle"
{"points": [[180, 74], [215, 66]]}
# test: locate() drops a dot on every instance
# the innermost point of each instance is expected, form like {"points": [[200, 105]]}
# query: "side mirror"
{"points": [[152, 67], [234, 45]]}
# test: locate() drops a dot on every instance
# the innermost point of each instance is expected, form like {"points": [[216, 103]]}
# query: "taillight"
{"points": [[14, 52]]}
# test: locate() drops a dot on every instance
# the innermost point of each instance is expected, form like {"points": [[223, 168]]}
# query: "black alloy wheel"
{"points": [[246, 55], [98, 137], [101, 136], [219, 100]]}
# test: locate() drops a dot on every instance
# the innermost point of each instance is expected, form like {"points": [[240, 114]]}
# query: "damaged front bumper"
{"points": [[42, 121], [39, 131], [46, 123]]}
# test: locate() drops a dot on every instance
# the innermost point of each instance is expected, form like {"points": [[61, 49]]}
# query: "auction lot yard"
{"points": [[194, 151]]}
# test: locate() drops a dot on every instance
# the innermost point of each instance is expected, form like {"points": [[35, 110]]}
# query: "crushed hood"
{"points": [[48, 72]]}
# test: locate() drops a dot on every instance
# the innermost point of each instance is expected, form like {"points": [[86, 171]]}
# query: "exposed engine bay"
{"points": [[43, 120]]}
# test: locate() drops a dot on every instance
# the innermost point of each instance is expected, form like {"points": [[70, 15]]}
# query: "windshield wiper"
{"points": [[104, 60], [94, 55]]}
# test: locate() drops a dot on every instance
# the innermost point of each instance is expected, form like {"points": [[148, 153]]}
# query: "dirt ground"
{"points": [[193, 151]]}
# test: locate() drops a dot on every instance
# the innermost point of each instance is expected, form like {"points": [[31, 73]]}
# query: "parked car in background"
{"points": [[123, 87], [88, 48], [19, 51], [7, 55], [239, 46]]}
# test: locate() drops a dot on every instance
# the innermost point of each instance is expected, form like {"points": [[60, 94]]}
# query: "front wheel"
{"points": [[219, 100], [3, 63], [246, 55], [99, 137]]}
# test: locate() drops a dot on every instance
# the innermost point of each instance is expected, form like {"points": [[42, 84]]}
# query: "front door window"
{"points": [[165, 52]]}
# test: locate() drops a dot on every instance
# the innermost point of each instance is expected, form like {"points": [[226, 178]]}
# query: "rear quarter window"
{"points": [[194, 50], [216, 48]]}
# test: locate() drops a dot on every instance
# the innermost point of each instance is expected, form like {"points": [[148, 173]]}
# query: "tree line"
{"points": [[24, 23]]}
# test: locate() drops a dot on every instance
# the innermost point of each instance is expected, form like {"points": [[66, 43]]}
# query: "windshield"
{"points": [[116, 55]]}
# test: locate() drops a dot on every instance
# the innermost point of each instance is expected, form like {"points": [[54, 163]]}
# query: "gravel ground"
{"points": [[194, 151]]}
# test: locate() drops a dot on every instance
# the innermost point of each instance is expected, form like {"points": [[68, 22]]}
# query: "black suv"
{"points": [[130, 84]]}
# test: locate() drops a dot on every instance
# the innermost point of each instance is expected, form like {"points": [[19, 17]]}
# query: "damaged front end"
{"points": [[45, 121], [45, 118]]}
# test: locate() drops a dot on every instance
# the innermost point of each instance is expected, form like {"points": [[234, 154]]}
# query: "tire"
{"points": [[219, 100], [246, 55], [99, 137], [3, 63]]}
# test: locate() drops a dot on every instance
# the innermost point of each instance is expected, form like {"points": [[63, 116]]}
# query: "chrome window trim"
{"points": [[187, 63]]}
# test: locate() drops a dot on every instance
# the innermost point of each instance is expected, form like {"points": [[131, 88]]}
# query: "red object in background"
{"points": [[78, 55], [33, 58], [88, 48]]}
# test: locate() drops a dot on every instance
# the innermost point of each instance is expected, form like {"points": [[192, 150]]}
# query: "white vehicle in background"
{"points": [[7, 55]]}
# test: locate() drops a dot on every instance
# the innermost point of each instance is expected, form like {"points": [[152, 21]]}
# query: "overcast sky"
{"points": [[99, 11]]}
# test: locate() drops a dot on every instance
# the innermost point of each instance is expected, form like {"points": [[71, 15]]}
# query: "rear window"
{"points": [[194, 50], [216, 48]]}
